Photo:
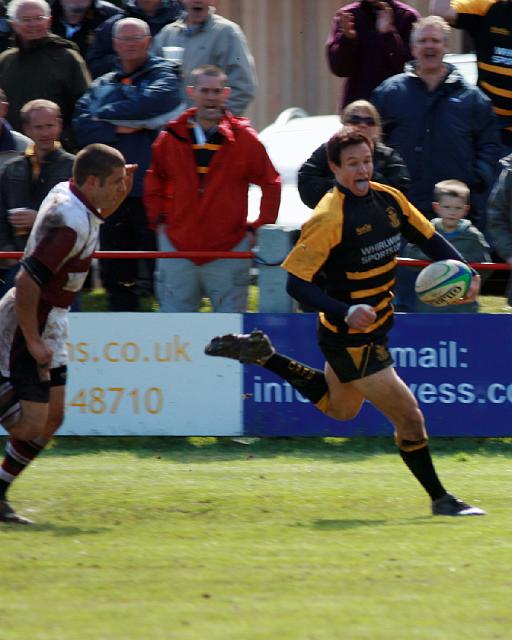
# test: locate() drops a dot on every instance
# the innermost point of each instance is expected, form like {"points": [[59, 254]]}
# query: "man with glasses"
{"points": [[315, 177], [126, 109], [101, 57], [42, 65]]}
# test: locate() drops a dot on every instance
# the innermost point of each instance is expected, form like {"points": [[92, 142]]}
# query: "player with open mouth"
{"points": [[343, 265]]}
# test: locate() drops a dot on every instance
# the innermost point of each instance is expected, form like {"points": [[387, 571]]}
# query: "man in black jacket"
{"points": [[76, 20], [25, 181], [41, 65]]}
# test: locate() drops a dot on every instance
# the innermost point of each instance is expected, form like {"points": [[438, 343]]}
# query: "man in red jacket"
{"points": [[195, 194]]}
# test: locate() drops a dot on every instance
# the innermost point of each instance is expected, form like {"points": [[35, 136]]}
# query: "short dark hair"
{"points": [[98, 160], [346, 137], [453, 188], [208, 70]]}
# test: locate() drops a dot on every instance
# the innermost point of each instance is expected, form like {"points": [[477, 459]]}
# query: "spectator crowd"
{"points": [[167, 83]]}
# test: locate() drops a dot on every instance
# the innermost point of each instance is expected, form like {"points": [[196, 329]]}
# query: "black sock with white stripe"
{"points": [[18, 455]]}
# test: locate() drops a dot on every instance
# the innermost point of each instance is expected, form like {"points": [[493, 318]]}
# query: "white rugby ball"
{"points": [[442, 283]]}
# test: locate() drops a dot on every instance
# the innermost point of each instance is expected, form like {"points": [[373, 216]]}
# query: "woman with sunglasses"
{"points": [[316, 179]]}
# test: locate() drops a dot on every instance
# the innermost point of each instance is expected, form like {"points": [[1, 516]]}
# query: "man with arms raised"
{"points": [[33, 314], [353, 239]]}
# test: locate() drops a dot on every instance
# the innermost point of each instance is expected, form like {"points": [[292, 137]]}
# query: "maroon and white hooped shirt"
{"points": [[58, 255]]}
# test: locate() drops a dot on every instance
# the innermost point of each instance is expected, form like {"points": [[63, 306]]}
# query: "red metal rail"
{"points": [[246, 255]]}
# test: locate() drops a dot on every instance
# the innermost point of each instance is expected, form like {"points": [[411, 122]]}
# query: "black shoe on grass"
{"points": [[9, 516], [449, 505], [248, 348]]}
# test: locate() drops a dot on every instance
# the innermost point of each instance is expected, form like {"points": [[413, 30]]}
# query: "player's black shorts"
{"points": [[353, 363], [25, 375], [32, 388]]}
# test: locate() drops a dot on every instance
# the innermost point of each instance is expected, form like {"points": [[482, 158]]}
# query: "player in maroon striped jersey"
{"points": [[33, 314]]}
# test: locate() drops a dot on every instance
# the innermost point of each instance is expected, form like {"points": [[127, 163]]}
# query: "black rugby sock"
{"points": [[421, 466], [18, 455], [311, 383]]}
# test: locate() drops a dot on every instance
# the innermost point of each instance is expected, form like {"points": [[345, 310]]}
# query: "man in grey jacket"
{"points": [[207, 38]]}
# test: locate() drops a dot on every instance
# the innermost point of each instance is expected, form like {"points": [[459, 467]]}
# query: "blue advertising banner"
{"points": [[457, 365]]}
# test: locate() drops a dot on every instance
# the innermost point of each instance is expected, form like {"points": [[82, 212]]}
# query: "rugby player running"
{"points": [[352, 240], [34, 313]]}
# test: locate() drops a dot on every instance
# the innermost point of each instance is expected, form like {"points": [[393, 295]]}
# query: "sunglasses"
{"points": [[367, 120]]}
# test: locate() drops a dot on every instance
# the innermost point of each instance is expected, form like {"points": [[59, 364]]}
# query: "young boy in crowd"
{"points": [[451, 206]]}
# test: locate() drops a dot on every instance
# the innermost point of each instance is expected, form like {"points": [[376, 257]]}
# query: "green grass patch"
{"points": [[286, 539], [96, 300]]}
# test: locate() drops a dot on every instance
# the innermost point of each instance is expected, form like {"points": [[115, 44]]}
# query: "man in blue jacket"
{"points": [[442, 127], [126, 109], [101, 57]]}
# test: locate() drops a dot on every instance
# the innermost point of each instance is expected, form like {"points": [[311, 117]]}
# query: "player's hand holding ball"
{"points": [[447, 282], [473, 291]]}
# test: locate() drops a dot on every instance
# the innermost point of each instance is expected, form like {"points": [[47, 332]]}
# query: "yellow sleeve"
{"points": [[319, 235], [414, 217], [418, 221], [474, 7]]}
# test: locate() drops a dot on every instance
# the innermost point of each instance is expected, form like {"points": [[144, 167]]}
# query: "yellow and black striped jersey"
{"points": [[353, 242], [489, 22]]}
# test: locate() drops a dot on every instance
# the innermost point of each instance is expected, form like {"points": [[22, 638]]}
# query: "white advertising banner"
{"points": [[146, 374]]}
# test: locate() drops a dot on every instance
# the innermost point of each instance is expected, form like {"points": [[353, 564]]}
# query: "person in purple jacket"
{"points": [[369, 42]]}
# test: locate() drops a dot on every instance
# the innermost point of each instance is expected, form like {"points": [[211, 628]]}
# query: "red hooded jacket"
{"points": [[211, 216]]}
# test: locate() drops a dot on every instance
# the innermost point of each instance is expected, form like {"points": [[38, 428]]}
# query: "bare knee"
{"points": [[410, 432], [344, 412]]}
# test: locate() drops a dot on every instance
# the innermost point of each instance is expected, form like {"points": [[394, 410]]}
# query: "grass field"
{"points": [[319, 539], [95, 300]]}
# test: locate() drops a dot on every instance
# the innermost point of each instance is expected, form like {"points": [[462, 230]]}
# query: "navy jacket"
{"points": [[101, 57], [449, 133], [98, 12], [154, 91]]}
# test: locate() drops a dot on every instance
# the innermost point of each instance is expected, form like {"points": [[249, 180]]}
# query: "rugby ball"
{"points": [[444, 282]]}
